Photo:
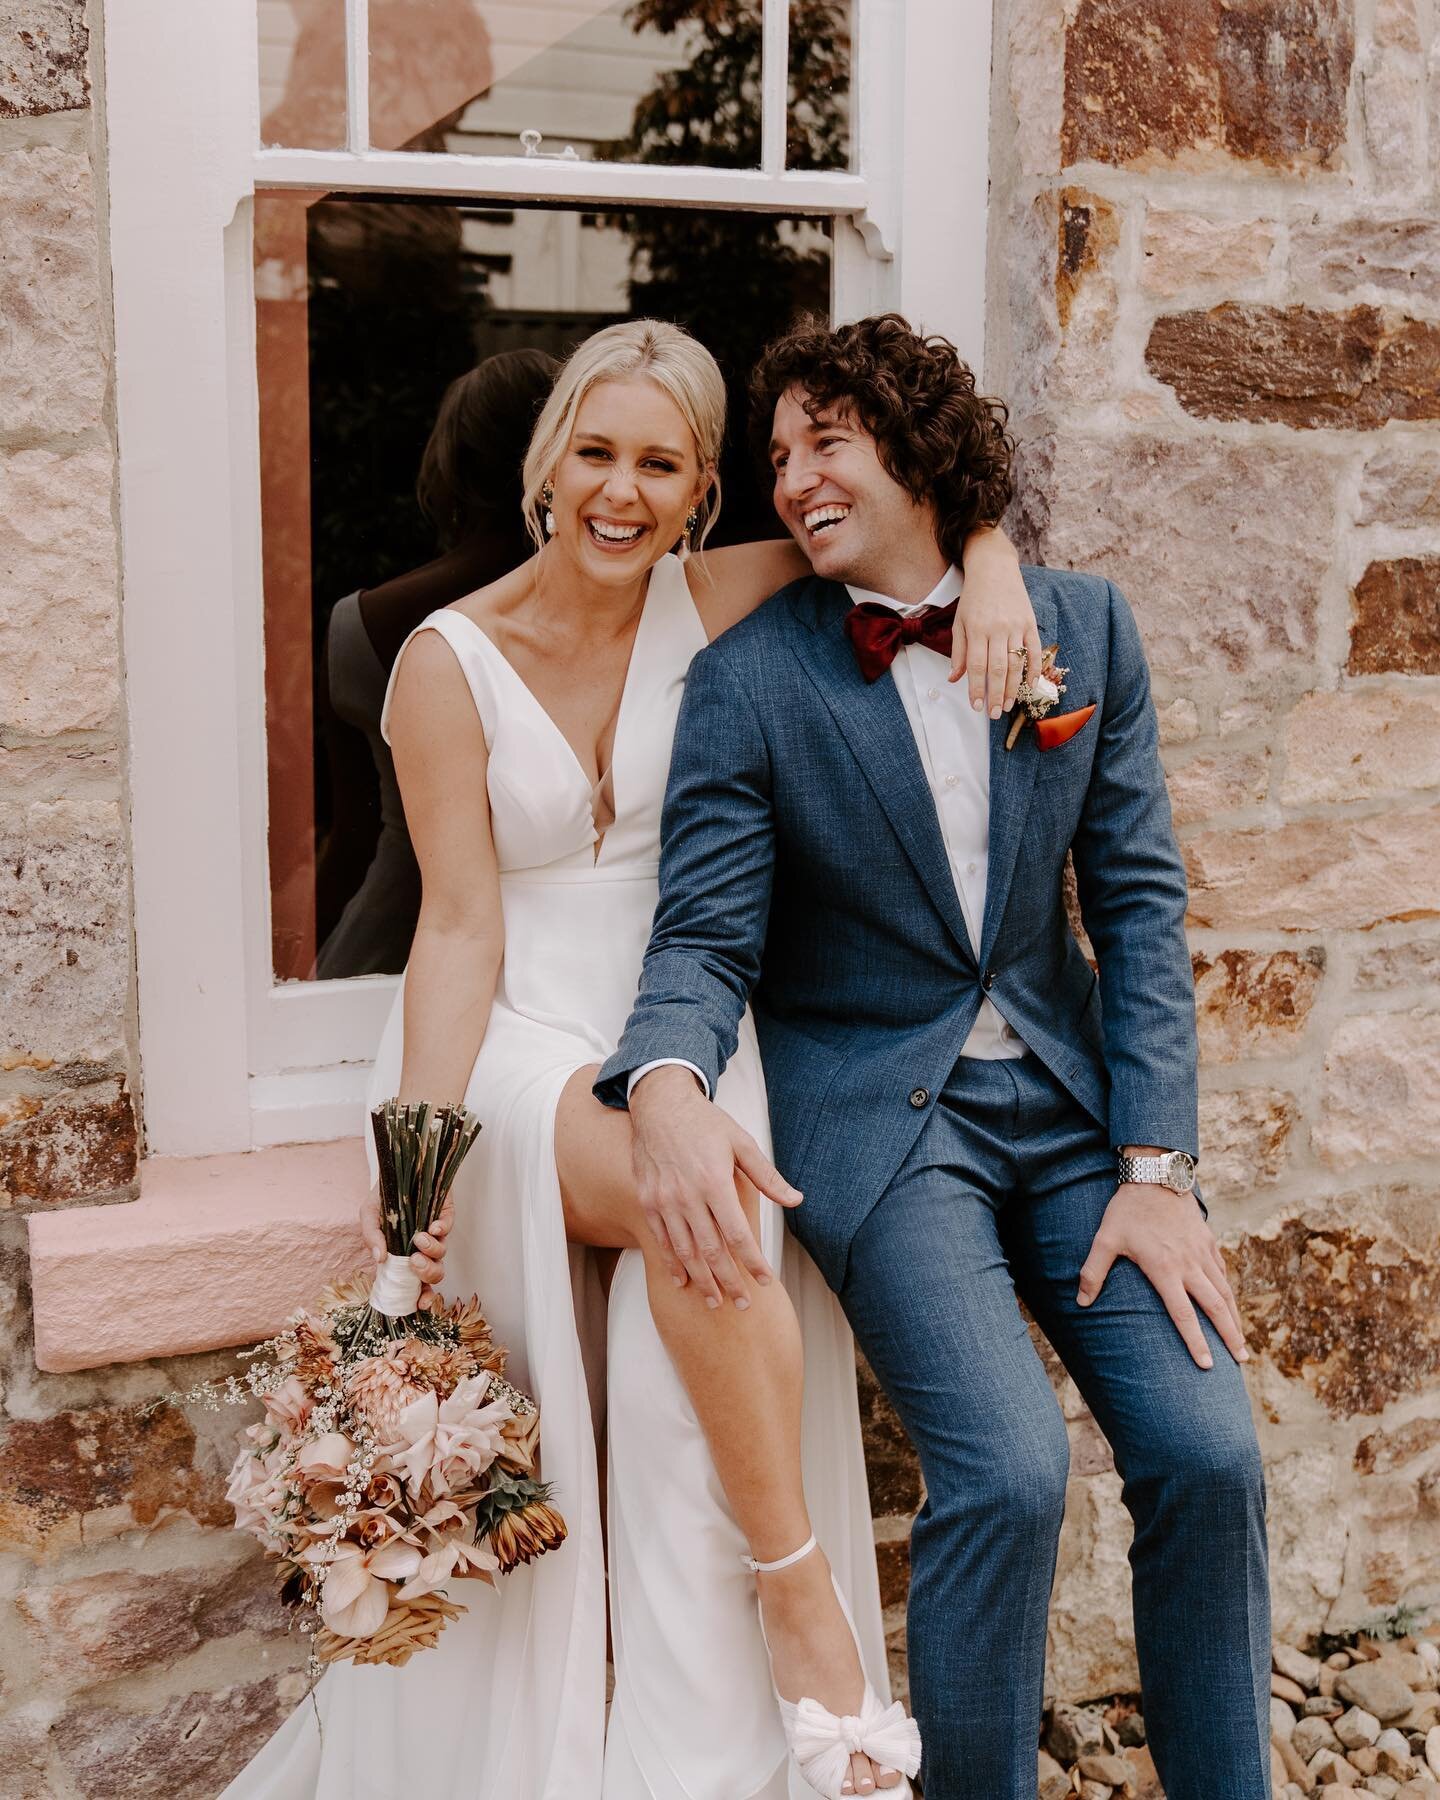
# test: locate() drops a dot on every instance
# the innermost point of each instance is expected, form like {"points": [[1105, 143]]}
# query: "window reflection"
{"points": [[404, 346]]}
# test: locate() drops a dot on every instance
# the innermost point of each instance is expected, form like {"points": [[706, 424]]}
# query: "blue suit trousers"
{"points": [[1001, 1197]]}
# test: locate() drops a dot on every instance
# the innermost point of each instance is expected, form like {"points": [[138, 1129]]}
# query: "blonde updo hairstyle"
{"points": [[636, 349]]}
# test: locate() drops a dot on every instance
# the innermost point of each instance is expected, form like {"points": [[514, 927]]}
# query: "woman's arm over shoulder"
{"points": [[728, 584]]}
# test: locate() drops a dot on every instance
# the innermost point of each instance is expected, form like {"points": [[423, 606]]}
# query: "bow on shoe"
{"points": [[823, 1744]]}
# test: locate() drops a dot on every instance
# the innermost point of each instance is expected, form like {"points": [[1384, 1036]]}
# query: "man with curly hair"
{"points": [[879, 865]]}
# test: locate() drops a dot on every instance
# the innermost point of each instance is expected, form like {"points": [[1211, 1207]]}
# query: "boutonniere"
{"points": [[1038, 694]]}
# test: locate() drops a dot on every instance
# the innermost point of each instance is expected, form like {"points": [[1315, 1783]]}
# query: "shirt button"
{"points": [[920, 1097], [951, 780], [934, 694], [970, 868]]}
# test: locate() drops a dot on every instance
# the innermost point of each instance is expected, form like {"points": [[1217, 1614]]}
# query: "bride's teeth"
{"points": [[615, 534]]}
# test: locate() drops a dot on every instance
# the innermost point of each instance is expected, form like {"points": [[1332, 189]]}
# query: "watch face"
{"points": [[1181, 1174]]}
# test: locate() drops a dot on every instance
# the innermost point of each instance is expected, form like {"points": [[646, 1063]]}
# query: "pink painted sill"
{"points": [[217, 1251]]}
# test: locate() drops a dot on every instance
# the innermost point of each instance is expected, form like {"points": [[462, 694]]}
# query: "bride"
{"points": [[531, 725]]}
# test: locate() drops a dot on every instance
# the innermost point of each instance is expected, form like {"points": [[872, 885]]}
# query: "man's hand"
{"points": [[428, 1256], [1164, 1235], [993, 621], [689, 1156]]}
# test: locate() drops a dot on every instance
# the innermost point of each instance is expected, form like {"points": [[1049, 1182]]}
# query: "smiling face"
{"points": [[626, 481], [847, 513]]}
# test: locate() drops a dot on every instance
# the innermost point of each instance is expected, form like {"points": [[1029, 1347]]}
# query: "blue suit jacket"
{"points": [[803, 867]]}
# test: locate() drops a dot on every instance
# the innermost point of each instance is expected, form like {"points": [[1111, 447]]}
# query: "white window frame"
{"points": [[231, 1060]]}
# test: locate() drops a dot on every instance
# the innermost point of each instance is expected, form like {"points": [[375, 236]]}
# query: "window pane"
{"points": [[368, 310], [656, 81], [818, 127], [302, 73]]}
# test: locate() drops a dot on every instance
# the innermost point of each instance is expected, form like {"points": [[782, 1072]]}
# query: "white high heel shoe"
{"points": [[821, 1744]]}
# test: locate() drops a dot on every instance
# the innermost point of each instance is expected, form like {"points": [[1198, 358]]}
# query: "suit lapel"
{"points": [[1012, 781], [871, 716]]}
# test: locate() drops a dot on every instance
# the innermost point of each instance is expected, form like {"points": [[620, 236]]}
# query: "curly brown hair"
{"points": [[934, 434]]}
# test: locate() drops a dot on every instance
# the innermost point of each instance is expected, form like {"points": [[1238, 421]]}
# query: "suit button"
{"points": [[987, 980], [920, 1097]]}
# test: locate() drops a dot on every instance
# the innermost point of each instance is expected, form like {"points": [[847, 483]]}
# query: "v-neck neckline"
{"points": [[608, 772]]}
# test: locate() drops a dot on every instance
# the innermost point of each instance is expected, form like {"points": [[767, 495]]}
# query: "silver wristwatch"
{"points": [[1174, 1170]]}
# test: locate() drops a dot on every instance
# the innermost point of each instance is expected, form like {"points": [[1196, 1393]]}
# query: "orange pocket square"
{"points": [[1051, 733]]}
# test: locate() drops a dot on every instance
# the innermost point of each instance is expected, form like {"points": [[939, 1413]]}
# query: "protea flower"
{"points": [[474, 1333], [526, 1533]]}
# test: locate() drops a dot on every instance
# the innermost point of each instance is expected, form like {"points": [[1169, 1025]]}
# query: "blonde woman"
{"points": [[531, 725]]}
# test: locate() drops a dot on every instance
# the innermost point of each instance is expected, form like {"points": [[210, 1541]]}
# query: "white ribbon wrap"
{"points": [[396, 1288]]}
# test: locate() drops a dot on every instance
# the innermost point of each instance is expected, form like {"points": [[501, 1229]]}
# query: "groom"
{"points": [[880, 869]]}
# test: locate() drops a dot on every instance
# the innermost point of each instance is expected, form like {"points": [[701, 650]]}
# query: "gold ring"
{"points": [[1022, 653]]}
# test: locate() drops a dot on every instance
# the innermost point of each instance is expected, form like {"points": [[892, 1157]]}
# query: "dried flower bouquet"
{"points": [[393, 1457]]}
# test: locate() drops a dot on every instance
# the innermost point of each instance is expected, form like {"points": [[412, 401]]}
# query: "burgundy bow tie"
{"points": [[877, 633]]}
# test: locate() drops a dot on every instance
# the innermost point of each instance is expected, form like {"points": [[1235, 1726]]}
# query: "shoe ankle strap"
{"points": [[769, 1568]]}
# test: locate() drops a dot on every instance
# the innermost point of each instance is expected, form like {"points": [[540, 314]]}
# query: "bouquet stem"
{"points": [[419, 1149]]}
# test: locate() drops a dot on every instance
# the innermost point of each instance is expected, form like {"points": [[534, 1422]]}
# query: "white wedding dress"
{"points": [[512, 1703]]}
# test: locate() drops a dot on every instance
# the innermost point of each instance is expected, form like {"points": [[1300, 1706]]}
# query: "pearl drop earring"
{"points": [[547, 494]]}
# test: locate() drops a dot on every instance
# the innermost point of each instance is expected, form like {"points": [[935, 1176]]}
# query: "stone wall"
{"points": [[1215, 309], [139, 1646]]}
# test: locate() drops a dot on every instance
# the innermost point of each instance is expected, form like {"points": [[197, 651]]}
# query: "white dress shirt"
{"points": [[954, 744]]}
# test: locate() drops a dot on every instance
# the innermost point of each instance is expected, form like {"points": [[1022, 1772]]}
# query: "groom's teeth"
{"points": [[825, 515]]}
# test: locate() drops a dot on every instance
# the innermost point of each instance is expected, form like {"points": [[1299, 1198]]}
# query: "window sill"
{"points": [[217, 1251]]}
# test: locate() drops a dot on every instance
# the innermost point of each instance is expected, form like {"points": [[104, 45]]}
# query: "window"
{"points": [[339, 210]]}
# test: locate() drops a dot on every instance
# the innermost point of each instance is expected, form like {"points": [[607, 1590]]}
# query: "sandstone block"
{"points": [[59, 631], [1179, 720], [101, 1471], [1148, 82], [1144, 510], [78, 1145], [1244, 1141], [216, 1251], [890, 1462], [1307, 1525], [1313, 874], [1399, 254], [1392, 110], [1213, 783], [53, 364], [1088, 229], [64, 903], [1357, 1727], [1254, 1002], [1346, 1304], [1395, 618], [24, 1753], [43, 59], [892, 1559], [1091, 1646], [1353, 746], [1400, 486], [117, 1622], [1381, 1089], [1355, 370], [1382, 1452], [1397, 25], [189, 1748], [1312, 1737], [1185, 250]]}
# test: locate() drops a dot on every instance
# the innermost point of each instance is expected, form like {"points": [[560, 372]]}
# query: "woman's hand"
{"points": [[993, 623], [428, 1257]]}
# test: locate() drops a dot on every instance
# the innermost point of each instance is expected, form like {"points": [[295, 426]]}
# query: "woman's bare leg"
{"points": [[743, 1370]]}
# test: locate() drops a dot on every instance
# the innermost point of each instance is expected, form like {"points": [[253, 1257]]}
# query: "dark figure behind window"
{"points": [[469, 489]]}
